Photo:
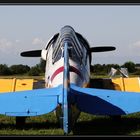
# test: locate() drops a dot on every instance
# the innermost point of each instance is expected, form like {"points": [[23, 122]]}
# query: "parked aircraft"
{"points": [[67, 81]]}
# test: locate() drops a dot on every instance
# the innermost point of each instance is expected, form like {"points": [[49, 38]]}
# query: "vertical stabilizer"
{"points": [[66, 90]]}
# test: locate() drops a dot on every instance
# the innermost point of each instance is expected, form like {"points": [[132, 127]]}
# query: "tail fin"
{"points": [[66, 90]]}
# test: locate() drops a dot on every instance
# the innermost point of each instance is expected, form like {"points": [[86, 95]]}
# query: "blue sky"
{"points": [[29, 27]]}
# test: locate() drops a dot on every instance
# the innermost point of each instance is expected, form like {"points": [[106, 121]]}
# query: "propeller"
{"points": [[102, 49], [33, 53]]}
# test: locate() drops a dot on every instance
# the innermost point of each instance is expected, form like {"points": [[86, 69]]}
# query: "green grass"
{"points": [[103, 125], [106, 76], [39, 125], [47, 125], [43, 76], [23, 76]]}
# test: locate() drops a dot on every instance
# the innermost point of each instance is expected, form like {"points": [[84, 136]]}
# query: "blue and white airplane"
{"points": [[67, 91]]}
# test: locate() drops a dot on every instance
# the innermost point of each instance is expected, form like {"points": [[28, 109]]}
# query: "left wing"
{"points": [[105, 102], [31, 102]]}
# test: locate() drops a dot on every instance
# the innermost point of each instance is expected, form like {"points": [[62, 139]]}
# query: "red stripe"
{"points": [[72, 69], [59, 70]]}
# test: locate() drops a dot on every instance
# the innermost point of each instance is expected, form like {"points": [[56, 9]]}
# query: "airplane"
{"points": [[67, 89]]}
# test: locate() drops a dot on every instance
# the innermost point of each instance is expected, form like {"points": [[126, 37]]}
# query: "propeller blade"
{"points": [[102, 49], [34, 53]]}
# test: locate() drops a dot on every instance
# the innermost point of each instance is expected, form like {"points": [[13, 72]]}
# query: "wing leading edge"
{"points": [[31, 102], [105, 102]]}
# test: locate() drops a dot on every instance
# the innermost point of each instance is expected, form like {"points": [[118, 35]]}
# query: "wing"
{"points": [[106, 102], [31, 102]]}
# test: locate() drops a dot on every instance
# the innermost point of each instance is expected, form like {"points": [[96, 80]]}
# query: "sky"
{"points": [[29, 27]]}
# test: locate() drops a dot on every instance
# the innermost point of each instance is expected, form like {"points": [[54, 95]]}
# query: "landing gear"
{"points": [[20, 121]]}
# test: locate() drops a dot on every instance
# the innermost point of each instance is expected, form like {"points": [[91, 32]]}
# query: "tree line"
{"points": [[103, 69], [39, 69], [20, 69]]}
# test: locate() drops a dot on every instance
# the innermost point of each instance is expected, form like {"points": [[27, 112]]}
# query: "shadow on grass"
{"points": [[94, 126], [31, 125], [107, 126]]}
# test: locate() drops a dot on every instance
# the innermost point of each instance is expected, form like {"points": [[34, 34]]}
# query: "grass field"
{"points": [[47, 125], [22, 76]]}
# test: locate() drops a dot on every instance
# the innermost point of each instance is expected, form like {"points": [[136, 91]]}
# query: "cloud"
{"points": [[134, 49], [17, 41], [38, 41], [136, 44], [5, 45]]}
